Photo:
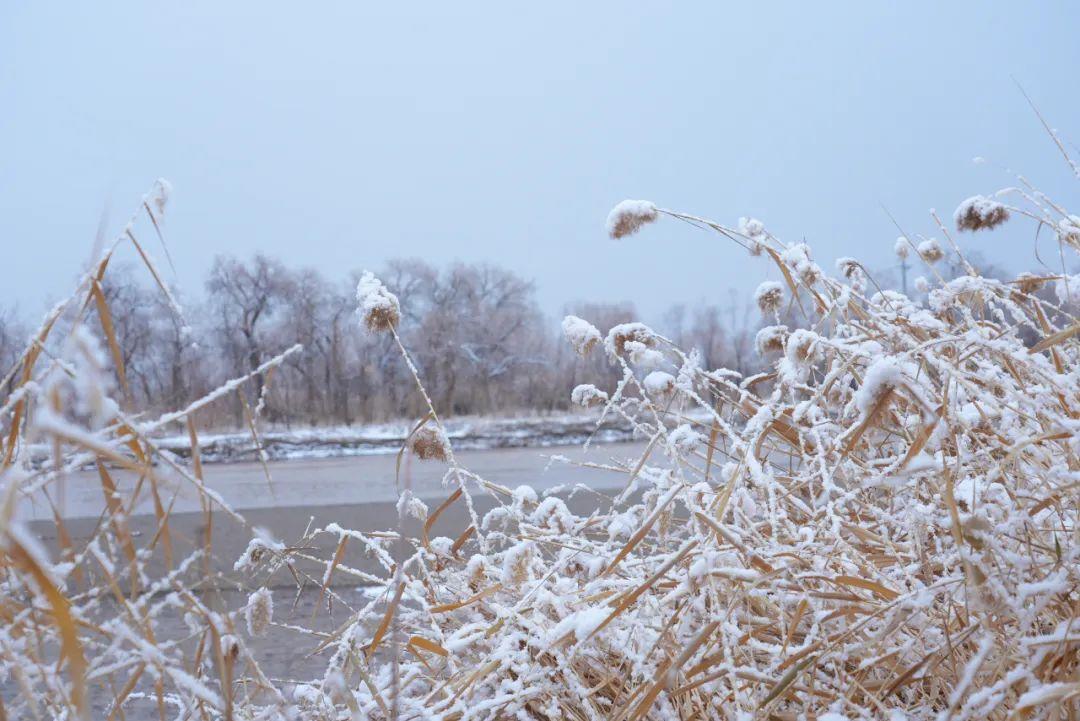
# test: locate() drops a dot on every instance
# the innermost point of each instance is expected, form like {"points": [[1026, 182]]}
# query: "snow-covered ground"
{"points": [[466, 433]]}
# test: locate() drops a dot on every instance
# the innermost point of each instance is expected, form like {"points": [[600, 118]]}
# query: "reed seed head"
{"points": [[802, 347], [980, 213], [587, 395], [378, 307], [769, 296], [849, 268], [259, 612], [627, 217], [770, 339], [517, 563], [752, 228], [754, 232], [902, 248], [582, 335], [1068, 230], [429, 443], [619, 336], [659, 384], [1029, 282], [930, 251]]}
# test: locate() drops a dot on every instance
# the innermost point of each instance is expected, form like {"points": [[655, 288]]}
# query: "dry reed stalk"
{"points": [[883, 523]]}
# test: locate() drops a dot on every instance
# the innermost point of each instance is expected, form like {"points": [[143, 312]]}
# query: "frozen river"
{"points": [[356, 492], [367, 479]]}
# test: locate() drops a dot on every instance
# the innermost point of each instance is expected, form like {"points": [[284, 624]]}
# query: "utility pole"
{"points": [[903, 273]]}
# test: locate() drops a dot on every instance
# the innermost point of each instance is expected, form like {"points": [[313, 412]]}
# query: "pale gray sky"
{"points": [[340, 134]]}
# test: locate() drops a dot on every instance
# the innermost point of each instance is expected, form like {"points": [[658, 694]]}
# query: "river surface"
{"points": [[352, 480], [357, 493]]}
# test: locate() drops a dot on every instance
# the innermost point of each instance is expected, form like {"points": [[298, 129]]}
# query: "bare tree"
{"points": [[12, 342], [333, 343], [477, 335], [131, 309], [479, 327], [244, 296], [181, 376], [303, 314]]}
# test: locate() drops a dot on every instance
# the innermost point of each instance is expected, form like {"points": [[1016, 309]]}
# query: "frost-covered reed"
{"points": [[882, 525]]}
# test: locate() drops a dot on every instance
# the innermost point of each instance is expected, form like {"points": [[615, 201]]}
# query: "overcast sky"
{"points": [[337, 135]]}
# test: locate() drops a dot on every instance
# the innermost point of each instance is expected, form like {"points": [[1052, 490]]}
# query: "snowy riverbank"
{"points": [[467, 433]]}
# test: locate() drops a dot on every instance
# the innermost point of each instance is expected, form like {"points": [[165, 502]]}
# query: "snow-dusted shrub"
{"points": [[883, 524]]}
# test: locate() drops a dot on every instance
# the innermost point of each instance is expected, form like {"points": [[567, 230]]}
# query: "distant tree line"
{"points": [[476, 333], [479, 339]]}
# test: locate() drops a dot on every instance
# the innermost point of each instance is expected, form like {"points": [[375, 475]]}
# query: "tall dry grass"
{"points": [[882, 525]]}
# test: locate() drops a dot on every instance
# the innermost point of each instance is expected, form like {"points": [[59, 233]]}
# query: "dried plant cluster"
{"points": [[378, 307], [881, 526], [627, 217], [980, 213]]}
